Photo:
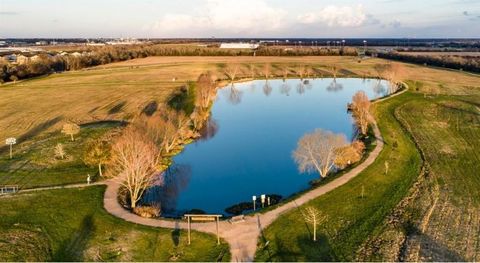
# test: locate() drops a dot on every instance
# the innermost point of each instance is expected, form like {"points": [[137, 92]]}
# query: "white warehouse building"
{"points": [[239, 45]]}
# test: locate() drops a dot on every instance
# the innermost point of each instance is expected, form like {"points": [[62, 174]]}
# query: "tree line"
{"points": [[94, 56], [458, 62]]}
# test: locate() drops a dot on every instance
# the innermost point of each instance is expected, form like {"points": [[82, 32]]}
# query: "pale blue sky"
{"points": [[239, 18]]}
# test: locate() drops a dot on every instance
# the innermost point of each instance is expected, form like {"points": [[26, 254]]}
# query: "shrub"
{"points": [[147, 211]]}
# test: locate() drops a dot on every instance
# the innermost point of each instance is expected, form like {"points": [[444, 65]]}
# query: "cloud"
{"points": [[227, 16], [395, 24], [337, 16], [471, 17], [8, 13]]}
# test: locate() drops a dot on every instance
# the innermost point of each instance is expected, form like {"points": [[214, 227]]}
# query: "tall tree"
{"points": [[361, 111], [317, 151], [205, 90], [135, 163]]}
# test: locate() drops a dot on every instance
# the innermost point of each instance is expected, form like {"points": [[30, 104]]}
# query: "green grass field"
{"points": [[34, 163], [71, 225], [351, 218]]}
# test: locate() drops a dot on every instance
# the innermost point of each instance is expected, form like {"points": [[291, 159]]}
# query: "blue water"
{"points": [[252, 132]]}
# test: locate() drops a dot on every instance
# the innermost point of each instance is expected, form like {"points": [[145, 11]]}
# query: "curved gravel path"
{"points": [[241, 236]]}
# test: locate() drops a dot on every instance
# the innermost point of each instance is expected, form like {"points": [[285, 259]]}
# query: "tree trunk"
{"points": [[314, 231], [71, 136], [100, 169], [10, 151], [133, 203]]}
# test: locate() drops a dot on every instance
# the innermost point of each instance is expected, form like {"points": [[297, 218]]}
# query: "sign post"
{"points": [[254, 198], [262, 198]]}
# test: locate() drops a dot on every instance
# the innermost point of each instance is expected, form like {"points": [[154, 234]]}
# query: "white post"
{"points": [[188, 218], [254, 198], [262, 198]]}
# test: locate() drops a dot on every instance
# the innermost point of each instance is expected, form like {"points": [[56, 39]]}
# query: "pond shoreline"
{"points": [[227, 109]]}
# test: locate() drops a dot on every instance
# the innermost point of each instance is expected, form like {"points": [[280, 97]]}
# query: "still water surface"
{"points": [[253, 130]]}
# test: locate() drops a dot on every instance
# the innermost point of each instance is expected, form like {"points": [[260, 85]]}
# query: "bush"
{"points": [[147, 211]]}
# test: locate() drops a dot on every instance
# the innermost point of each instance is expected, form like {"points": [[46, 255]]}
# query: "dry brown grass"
{"points": [[118, 90]]}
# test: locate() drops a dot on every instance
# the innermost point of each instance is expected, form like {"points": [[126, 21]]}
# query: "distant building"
{"points": [[96, 44], [239, 45], [41, 43]]}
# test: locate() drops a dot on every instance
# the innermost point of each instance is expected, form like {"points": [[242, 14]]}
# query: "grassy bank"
{"points": [[71, 225], [351, 218], [34, 163]]}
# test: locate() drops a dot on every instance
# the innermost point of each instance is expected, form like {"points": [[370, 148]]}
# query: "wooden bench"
{"points": [[8, 189], [237, 219]]}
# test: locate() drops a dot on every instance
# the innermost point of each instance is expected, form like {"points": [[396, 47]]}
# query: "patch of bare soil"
{"points": [[23, 243], [114, 247]]}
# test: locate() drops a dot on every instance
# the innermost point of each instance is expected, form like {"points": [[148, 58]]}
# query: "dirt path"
{"points": [[54, 187], [242, 236]]}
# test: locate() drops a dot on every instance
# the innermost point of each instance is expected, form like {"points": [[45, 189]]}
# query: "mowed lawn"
{"points": [[351, 219], [71, 225]]}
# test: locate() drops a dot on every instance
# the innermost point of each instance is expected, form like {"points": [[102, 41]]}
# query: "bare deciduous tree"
{"points": [[59, 151], [267, 68], [301, 70], [253, 70], [205, 90], [361, 111], [334, 70], [135, 162], [166, 130], [70, 129], [393, 72], [317, 151], [285, 70], [313, 216], [231, 71]]}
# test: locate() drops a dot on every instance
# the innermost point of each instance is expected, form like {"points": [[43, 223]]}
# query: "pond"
{"points": [[247, 147]]}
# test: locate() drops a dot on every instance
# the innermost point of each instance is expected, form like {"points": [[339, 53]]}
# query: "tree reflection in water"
{"points": [[334, 86], [176, 179], [234, 95], [285, 88], [267, 88], [379, 89], [301, 87], [209, 129]]}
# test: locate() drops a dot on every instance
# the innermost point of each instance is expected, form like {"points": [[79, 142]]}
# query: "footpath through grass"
{"points": [[71, 225], [351, 219]]}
